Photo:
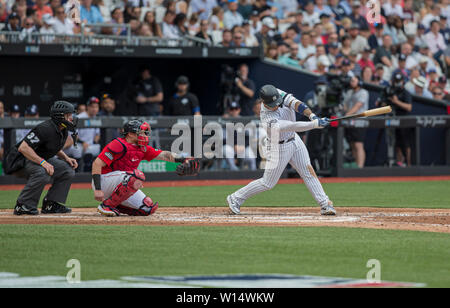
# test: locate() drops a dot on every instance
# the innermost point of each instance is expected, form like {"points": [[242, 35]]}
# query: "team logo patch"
{"points": [[109, 155], [274, 98]]}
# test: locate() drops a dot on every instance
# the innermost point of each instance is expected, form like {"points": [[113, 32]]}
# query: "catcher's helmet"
{"points": [[57, 112], [270, 96], [138, 127]]}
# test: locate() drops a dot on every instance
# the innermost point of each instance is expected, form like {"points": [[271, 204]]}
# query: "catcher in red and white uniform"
{"points": [[117, 181]]}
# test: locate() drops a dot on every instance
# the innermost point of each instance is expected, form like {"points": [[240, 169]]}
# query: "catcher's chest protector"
{"points": [[129, 159]]}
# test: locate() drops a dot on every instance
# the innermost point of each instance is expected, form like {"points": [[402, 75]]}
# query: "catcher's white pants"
{"points": [[296, 154], [111, 180]]}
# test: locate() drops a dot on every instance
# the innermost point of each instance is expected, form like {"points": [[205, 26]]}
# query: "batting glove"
{"points": [[321, 122]]}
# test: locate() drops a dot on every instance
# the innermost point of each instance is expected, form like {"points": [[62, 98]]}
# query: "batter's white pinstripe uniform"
{"points": [[291, 150]]}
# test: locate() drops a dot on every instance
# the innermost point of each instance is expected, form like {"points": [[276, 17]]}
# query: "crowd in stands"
{"points": [[317, 35]]}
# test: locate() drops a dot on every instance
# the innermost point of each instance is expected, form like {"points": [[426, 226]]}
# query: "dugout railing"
{"points": [[161, 136]]}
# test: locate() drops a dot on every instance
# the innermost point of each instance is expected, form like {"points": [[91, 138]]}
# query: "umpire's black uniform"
{"points": [[46, 140]]}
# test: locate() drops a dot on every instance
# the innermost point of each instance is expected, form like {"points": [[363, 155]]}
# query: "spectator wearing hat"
{"points": [[47, 29], [183, 102], [359, 43], [442, 83], [203, 8], [378, 76], [401, 67], [420, 87], [356, 16], [88, 146], [30, 112], [14, 112], [333, 51], [108, 109], [310, 16], [420, 36], [232, 17], [107, 106], [255, 22], [365, 60], [13, 23], [265, 37], [445, 29], [322, 65], [401, 104], [432, 77], [346, 68]]}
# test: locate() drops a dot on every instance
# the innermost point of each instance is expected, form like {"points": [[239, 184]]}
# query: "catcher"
{"points": [[117, 181]]}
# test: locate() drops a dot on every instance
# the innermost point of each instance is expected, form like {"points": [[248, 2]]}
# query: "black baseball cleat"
{"points": [[21, 209], [53, 207]]}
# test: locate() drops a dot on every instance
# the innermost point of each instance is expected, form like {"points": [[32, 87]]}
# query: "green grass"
{"points": [[116, 251], [397, 194]]}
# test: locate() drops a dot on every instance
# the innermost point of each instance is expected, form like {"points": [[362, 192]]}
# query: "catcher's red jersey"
{"points": [[120, 155]]}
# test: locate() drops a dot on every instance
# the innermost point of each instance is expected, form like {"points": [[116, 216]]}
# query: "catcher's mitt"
{"points": [[190, 166]]}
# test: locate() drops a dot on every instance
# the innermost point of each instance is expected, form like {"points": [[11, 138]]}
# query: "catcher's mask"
{"points": [[141, 129]]}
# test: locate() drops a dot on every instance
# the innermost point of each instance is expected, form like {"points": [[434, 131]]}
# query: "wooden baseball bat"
{"points": [[368, 113]]}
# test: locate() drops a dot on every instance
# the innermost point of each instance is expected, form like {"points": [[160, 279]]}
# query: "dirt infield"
{"points": [[430, 220]]}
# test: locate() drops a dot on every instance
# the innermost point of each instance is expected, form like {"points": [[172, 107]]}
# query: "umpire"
{"points": [[42, 167]]}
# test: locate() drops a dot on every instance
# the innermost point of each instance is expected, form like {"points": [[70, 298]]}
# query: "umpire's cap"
{"points": [[270, 96]]}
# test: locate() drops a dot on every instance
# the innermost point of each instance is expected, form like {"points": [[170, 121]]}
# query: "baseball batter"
{"points": [[278, 118], [117, 181]]}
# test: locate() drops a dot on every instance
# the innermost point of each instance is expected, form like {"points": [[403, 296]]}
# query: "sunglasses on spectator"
{"points": [[438, 93], [238, 37]]}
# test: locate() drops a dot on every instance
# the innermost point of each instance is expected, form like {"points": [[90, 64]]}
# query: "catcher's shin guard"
{"points": [[147, 208], [130, 184]]}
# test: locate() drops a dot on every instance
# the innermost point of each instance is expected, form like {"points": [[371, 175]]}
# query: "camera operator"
{"points": [[236, 86], [400, 100], [356, 101], [246, 90]]}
